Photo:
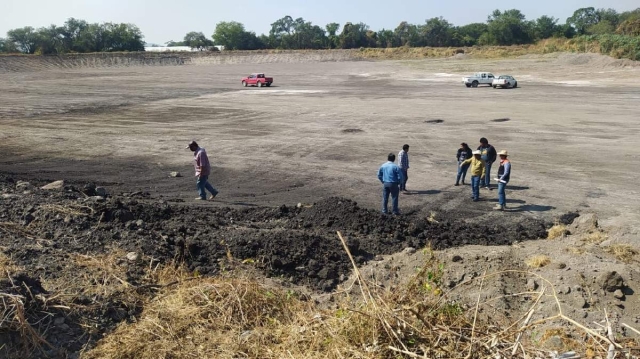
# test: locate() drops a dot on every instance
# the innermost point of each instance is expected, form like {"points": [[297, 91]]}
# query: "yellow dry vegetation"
{"points": [[557, 231], [622, 252], [538, 261]]}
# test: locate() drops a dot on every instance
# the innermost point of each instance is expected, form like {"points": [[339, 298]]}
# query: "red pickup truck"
{"points": [[257, 80]]}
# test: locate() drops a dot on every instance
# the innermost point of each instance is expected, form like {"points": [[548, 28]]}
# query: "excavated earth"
{"points": [[42, 229]]}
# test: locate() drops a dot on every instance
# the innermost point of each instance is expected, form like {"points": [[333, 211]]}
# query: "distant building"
{"points": [[176, 49]]}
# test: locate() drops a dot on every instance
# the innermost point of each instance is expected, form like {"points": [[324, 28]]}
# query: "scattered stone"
{"points": [[299, 205], [618, 294], [101, 191], [175, 174], [554, 343], [562, 266], [409, 250], [9, 196], [57, 185], [89, 189], [97, 199], [139, 223], [23, 186], [532, 285], [132, 256], [58, 321], [610, 281], [456, 258]]}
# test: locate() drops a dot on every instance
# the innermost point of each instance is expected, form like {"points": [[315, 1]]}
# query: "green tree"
{"points": [[469, 35], [387, 38], [233, 36], [197, 40], [25, 39], [408, 34], [508, 28], [71, 31], [332, 30], [601, 28], [582, 19], [609, 15], [7, 46], [50, 40], [545, 27], [437, 32], [354, 36]]}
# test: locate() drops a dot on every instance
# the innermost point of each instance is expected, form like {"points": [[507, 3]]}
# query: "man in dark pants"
{"points": [[489, 155], [504, 174], [203, 170], [403, 163], [390, 175]]}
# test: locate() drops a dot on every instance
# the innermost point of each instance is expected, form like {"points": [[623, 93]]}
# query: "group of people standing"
{"points": [[394, 177]]}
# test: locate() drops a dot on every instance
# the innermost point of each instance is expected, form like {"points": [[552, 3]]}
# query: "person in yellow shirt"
{"points": [[478, 167]]}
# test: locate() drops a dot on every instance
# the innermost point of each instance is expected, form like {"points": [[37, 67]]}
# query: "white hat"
{"points": [[503, 153], [477, 152]]}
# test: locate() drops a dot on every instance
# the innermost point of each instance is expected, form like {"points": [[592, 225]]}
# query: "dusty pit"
{"points": [[317, 138]]}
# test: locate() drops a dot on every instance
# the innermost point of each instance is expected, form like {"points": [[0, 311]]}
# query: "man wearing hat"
{"points": [[203, 170], [477, 173], [391, 177], [504, 173]]}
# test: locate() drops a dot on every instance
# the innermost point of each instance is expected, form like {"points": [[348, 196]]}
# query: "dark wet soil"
{"points": [[297, 243]]}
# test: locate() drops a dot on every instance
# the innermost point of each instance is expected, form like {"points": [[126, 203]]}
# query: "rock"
{"points": [[456, 258], [57, 185], [562, 266], [327, 273], [409, 250], [132, 256], [101, 191], [89, 189], [139, 223], [9, 196], [58, 321], [532, 285], [97, 199], [23, 185], [618, 294], [554, 343], [584, 223], [175, 174], [610, 281], [299, 205]]}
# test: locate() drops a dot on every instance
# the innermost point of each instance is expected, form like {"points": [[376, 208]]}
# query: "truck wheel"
{"points": [[244, 83], [495, 86], [515, 85], [474, 84], [268, 84], [259, 84], [468, 85]]}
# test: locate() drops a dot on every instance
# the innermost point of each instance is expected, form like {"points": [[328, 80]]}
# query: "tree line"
{"points": [[74, 36], [508, 27]]}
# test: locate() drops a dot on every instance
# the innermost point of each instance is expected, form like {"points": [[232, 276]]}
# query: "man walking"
{"points": [[477, 173], [488, 154], [403, 163], [203, 170], [504, 174], [390, 175]]}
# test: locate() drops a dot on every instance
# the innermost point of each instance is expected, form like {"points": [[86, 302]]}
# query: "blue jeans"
{"points": [[203, 184], [475, 187], [393, 189], [502, 197], [487, 174], [462, 173], [403, 185]]}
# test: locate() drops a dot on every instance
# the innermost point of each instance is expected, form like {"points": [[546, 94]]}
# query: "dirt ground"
{"points": [[317, 137]]}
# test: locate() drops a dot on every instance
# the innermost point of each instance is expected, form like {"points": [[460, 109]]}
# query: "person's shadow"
{"points": [[425, 192], [524, 207]]}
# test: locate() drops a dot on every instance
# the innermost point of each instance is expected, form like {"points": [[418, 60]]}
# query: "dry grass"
{"points": [[595, 237], [622, 252], [557, 231], [538, 261]]}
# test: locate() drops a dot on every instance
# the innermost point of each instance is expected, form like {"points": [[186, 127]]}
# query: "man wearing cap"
{"points": [[403, 163], [203, 170], [504, 173], [477, 173], [489, 156], [390, 175]]}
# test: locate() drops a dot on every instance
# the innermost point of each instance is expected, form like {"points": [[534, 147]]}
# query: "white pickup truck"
{"points": [[479, 78]]}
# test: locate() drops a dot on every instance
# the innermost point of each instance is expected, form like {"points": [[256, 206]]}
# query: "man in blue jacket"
{"points": [[489, 156], [390, 175]]}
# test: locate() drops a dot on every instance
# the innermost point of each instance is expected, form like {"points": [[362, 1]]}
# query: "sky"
{"points": [[165, 20]]}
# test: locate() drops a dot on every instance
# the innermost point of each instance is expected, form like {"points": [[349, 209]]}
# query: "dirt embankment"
{"points": [[26, 63], [69, 236]]}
